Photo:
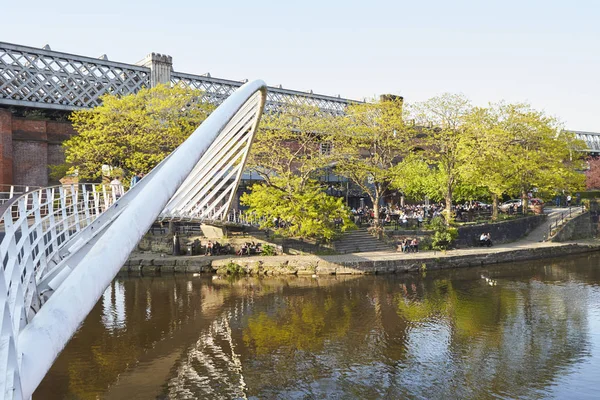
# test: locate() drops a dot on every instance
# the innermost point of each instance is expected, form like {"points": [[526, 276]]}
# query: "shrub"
{"points": [[443, 235], [268, 250], [234, 269]]}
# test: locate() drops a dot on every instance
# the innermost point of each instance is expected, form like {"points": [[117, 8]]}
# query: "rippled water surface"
{"points": [[529, 330]]}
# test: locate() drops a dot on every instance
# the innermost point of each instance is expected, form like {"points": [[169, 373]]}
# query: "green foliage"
{"points": [[522, 149], [477, 153], [268, 250], [133, 132], [303, 209], [443, 235], [288, 145], [369, 142], [447, 141], [59, 171], [234, 269]]}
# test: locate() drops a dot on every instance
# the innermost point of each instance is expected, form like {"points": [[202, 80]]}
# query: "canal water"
{"points": [[527, 330]]}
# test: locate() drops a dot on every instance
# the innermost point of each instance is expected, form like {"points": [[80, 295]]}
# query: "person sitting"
{"points": [[405, 245], [209, 249], [414, 245], [242, 250], [488, 238], [401, 246], [484, 240]]}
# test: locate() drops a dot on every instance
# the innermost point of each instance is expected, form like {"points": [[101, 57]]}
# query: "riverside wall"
{"points": [[385, 263], [581, 227], [501, 232]]}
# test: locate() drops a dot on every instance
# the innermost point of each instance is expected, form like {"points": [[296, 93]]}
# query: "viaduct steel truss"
{"points": [[45, 79], [60, 247], [591, 139]]}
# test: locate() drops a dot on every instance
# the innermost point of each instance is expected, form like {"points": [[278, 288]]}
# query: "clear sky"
{"points": [[544, 52]]}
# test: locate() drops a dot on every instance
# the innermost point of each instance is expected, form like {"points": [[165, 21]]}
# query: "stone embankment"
{"points": [[358, 263]]}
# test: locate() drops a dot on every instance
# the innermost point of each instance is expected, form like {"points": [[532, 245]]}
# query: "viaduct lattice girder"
{"points": [[46, 79]]}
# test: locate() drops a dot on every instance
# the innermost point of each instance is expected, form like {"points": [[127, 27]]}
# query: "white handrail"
{"points": [[63, 246]]}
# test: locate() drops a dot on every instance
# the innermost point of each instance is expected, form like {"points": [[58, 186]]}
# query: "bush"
{"points": [[234, 269], [268, 250], [443, 235]]}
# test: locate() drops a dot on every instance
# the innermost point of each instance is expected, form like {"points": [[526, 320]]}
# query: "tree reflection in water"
{"points": [[447, 335]]}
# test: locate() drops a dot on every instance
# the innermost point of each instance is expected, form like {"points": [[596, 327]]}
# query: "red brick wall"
{"points": [[28, 147], [6, 150], [30, 160]]}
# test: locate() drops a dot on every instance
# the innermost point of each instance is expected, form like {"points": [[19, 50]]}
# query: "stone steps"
{"points": [[360, 241]]}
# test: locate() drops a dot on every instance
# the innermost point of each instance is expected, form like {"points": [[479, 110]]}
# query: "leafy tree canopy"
{"points": [[369, 142], [301, 212], [133, 132]]}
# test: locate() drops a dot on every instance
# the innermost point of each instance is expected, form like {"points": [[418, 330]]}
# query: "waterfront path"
{"points": [[530, 247]]}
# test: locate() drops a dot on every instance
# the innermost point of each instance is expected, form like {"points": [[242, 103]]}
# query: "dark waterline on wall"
{"points": [[527, 330]]}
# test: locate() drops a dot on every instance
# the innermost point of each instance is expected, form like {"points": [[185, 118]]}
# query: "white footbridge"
{"points": [[60, 247]]}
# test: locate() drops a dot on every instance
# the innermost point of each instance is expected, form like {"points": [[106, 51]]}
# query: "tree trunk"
{"points": [[524, 202], [494, 207], [448, 213], [376, 212]]}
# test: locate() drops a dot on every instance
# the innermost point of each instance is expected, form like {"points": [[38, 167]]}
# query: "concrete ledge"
{"points": [[362, 263]]}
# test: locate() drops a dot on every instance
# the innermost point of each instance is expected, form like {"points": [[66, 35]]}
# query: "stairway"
{"points": [[360, 241]]}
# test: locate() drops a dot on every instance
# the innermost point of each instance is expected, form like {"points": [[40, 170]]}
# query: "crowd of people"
{"points": [[397, 213], [419, 213]]}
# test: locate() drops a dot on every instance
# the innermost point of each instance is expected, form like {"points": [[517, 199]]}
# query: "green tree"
{"points": [[448, 143], [520, 150], [292, 146], [302, 211], [290, 151], [133, 132], [369, 142]]}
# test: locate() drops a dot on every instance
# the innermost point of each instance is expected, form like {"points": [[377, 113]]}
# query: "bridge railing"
{"points": [[35, 226], [60, 247], [7, 192]]}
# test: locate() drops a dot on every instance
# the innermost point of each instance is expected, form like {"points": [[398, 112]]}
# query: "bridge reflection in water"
{"points": [[450, 334]]}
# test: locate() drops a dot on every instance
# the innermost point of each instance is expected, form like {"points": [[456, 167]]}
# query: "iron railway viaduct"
{"points": [[39, 87]]}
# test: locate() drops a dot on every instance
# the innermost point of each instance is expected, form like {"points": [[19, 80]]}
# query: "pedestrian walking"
{"points": [[176, 245], [117, 187]]}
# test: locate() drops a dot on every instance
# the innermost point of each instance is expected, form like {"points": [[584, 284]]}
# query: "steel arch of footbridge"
{"points": [[63, 246]]}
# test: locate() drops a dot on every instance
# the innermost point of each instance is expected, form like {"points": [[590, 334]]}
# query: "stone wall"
{"points": [[163, 244], [501, 232], [336, 265], [580, 227]]}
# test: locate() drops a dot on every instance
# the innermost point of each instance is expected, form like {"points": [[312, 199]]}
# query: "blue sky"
{"points": [[546, 53]]}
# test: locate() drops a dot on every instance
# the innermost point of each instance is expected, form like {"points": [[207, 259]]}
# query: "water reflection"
{"points": [[532, 333]]}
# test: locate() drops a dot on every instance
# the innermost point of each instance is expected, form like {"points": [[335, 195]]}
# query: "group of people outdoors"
{"points": [[397, 213], [409, 245], [216, 249], [249, 248]]}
